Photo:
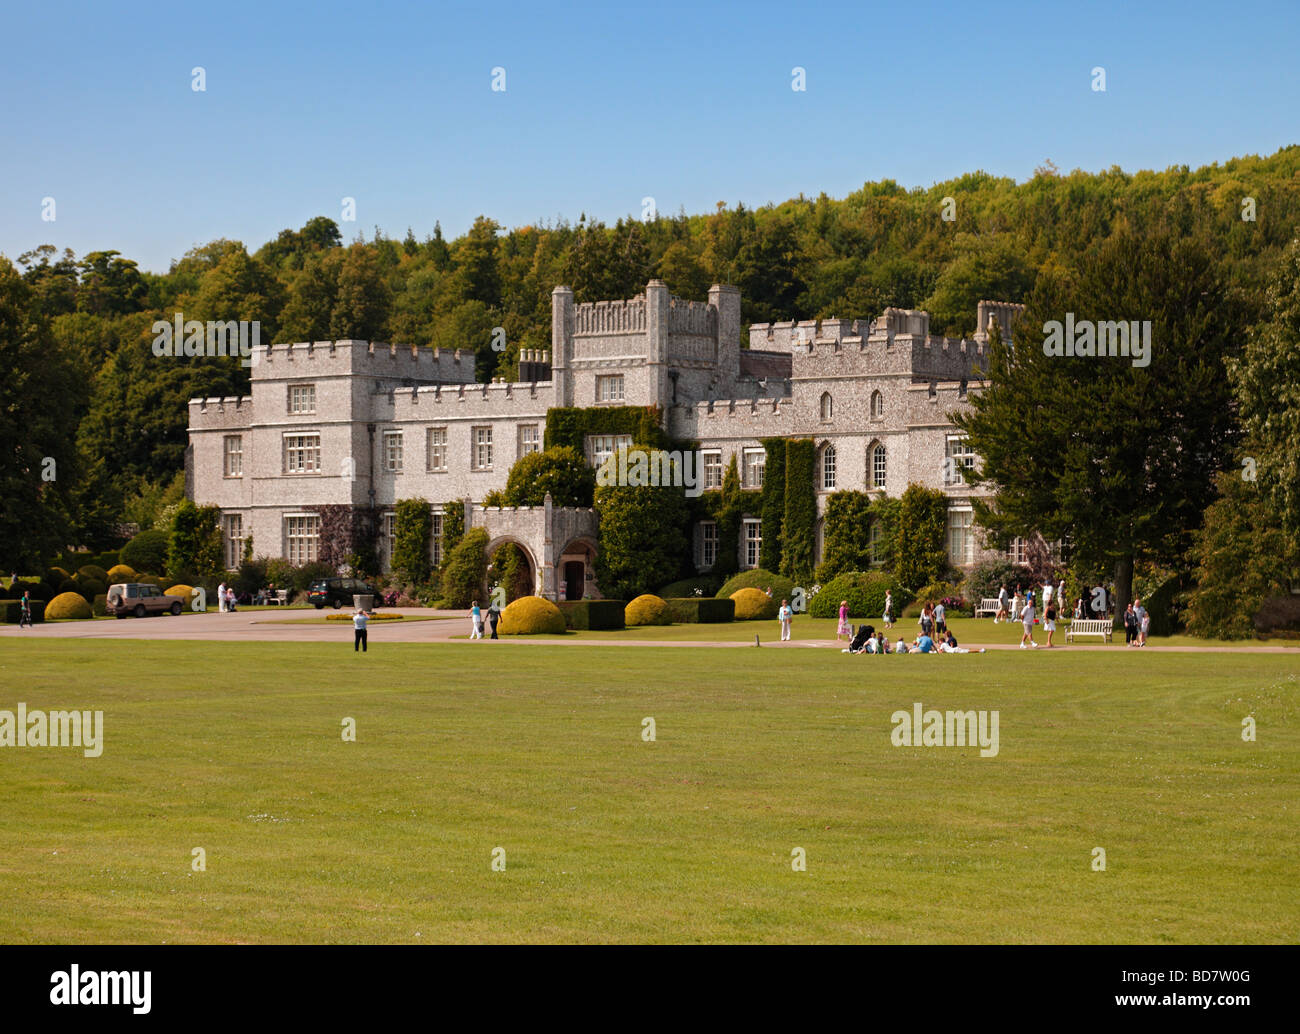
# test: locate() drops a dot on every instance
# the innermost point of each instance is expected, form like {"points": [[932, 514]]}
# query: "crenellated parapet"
{"points": [[310, 359]]}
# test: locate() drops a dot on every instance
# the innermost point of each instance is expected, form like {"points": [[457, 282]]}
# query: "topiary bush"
{"points": [[93, 571], [100, 606], [90, 587], [782, 588], [55, 576], [68, 606], [146, 552], [647, 610], [120, 573], [531, 615], [182, 591], [755, 605], [865, 591]]}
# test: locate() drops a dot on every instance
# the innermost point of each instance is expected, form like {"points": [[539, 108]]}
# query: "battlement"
{"points": [[288, 361], [470, 401], [695, 318], [621, 317], [789, 336]]}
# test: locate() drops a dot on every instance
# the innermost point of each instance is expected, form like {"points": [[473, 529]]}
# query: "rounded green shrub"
{"points": [[865, 591], [55, 576], [531, 615], [90, 587], [755, 605], [647, 610], [146, 552], [782, 588], [100, 605], [182, 591], [92, 571], [68, 606], [119, 573]]}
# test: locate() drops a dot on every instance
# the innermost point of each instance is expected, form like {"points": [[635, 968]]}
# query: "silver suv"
{"points": [[140, 599]]}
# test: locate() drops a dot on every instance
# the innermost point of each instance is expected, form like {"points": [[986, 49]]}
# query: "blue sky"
{"points": [[391, 104]]}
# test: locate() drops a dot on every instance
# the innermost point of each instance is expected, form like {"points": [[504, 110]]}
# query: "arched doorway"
{"points": [[575, 575], [511, 566]]}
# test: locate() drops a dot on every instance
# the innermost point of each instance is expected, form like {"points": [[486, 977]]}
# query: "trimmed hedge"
{"points": [[119, 573], [701, 610], [865, 591], [585, 615], [755, 605], [68, 606], [647, 609], [11, 611], [88, 571], [99, 607], [531, 615], [782, 588], [184, 592], [56, 576]]}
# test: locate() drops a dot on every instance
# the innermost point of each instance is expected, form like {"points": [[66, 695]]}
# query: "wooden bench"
{"points": [[1103, 627], [988, 605]]}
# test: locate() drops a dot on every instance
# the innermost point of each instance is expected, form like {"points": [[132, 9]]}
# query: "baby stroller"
{"points": [[859, 642]]}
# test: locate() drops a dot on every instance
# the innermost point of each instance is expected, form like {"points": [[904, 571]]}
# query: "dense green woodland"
{"points": [[83, 387]]}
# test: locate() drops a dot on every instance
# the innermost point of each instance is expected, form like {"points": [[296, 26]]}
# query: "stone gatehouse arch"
{"points": [[544, 533]]}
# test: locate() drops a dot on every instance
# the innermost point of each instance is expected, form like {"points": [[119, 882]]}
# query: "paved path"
{"points": [[304, 626]]}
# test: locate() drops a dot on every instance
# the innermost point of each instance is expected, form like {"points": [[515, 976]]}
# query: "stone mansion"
{"points": [[365, 425]]}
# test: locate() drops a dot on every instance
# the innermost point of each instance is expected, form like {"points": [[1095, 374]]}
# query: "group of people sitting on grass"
{"points": [[867, 640]]}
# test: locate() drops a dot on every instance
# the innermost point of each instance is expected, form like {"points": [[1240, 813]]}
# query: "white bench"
{"points": [[988, 605], [1103, 627]]}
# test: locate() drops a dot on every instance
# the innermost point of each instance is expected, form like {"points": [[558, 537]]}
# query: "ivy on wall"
{"points": [[347, 537], [412, 527], [453, 528], [772, 503], [571, 425], [800, 517]]}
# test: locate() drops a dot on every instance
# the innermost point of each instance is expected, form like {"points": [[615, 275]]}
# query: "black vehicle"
{"points": [[338, 592]]}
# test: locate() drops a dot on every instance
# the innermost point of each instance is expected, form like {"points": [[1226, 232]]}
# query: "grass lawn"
{"points": [[538, 750], [967, 630]]}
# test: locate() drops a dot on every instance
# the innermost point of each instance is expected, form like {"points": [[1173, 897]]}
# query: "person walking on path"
{"points": [[843, 629], [476, 621], [494, 615], [888, 616], [1027, 622], [1143, 621], [1049, 622], [1004, 606], [940, 618], [784, 615], [359, 620], [25, 610]]}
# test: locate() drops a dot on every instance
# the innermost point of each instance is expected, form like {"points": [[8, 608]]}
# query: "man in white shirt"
{"points": [[221, 598], [359, 620], [1048, 589]]}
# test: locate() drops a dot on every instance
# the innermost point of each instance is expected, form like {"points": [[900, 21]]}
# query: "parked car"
{"points": [[140, 599], [338, 592]]}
